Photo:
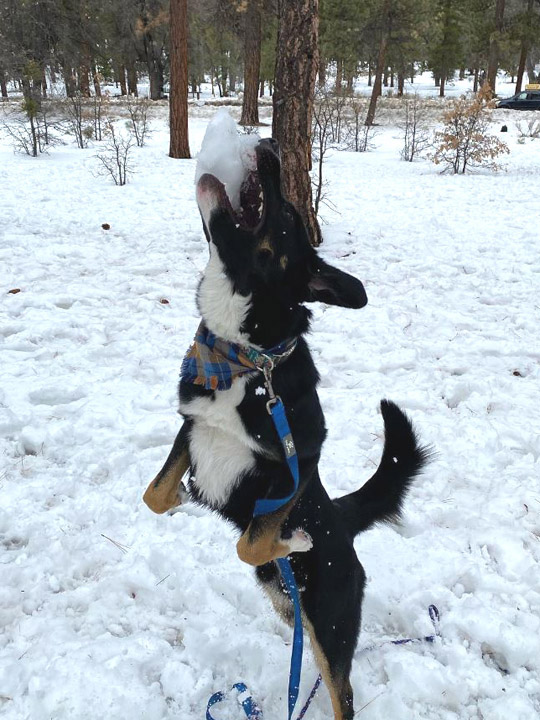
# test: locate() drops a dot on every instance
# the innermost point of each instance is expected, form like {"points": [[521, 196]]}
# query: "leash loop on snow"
{"points": [[249, 706]]}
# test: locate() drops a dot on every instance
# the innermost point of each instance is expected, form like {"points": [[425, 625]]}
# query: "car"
{"points": [[529, 99]]}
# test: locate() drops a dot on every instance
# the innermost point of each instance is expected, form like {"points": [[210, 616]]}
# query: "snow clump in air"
{"points": [[227, 154]]}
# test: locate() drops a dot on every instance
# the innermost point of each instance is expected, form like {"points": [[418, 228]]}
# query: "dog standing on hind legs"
{"points": [[252, 298]]}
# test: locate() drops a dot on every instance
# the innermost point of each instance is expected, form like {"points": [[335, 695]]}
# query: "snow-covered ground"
{"points": [[108, 611]]}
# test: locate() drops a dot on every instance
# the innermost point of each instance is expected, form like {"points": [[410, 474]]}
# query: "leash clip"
{"points": [[267, 369]]}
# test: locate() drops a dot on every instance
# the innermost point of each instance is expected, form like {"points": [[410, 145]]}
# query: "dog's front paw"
{"points": [[300, 541]]}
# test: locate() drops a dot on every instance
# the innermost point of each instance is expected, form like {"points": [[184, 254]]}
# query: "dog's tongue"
{"points": [[227, 155]]}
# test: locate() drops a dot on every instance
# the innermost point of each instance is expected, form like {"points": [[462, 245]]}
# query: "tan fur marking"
{"points": [[324, 668], [261, 542], [284, 261], [163, 492], [266, 245]]}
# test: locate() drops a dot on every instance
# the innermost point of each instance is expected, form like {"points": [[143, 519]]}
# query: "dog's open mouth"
{"points": [[249, 212], [229, 171]]}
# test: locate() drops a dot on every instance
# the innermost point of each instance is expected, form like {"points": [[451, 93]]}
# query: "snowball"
{"points": [[227, 154]]}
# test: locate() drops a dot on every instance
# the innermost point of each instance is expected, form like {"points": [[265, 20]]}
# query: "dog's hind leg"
{"points": [[336, 681], [332, 617]]}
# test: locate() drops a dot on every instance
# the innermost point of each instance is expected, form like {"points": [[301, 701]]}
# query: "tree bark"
{"points": [[493, 63], [252, 63], [525, 46], [383, 47], [84, 71], [442, 85], [401, 84], [95, 79], [132, 79], [3, 84], [294, 88], [339, 76], [178, 97]]}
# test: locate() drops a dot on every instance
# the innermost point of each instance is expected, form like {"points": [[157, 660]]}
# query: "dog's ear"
{"points": [[335, 287]]}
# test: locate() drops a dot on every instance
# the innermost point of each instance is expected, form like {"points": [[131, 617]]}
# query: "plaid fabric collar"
{"points": [[214, 363]]}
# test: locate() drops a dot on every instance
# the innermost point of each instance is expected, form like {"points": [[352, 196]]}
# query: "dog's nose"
{"points": [[270, 144]]}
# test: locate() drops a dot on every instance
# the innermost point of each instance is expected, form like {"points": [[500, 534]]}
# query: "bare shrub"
{"points": [[416, 135], [115, 158], [99, 106], [464, 142], [138, 122], [30, 128], [528, 129], [325, 131], [78, 123], [359, 137]]}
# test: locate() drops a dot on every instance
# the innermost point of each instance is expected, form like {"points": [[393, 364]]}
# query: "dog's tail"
{"points": [[381, 498]]}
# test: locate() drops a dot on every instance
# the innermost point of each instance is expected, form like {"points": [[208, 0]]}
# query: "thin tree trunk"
{"points": [[44, 84], [383, 47], [95, 80], [531, 68], [525, 45], [442, 85], [252, 63], [339, 76], [261, 89], [3, 84], [322, 70], [494, 45], [84, 71], [476, 76], [120, 77], [400, 84], [132, 79], [294, 88], [178, 99]]}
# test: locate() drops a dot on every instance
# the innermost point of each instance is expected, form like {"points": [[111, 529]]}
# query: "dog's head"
{"points": [[262, 268]]}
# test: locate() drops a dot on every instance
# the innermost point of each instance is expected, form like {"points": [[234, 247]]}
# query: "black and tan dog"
{"points": [[261, 273]]}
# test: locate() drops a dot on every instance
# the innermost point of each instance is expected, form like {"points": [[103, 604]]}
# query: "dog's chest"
{"points": [[221, 450]]}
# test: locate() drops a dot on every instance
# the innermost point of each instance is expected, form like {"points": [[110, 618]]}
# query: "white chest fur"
{"points": [[221, 450]]}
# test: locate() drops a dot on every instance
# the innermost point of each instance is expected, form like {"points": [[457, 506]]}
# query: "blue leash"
{"points": [[252, 710], [276, 409]]}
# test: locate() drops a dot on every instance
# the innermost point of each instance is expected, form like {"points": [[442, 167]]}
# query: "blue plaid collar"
{"points": [[214, 363]]}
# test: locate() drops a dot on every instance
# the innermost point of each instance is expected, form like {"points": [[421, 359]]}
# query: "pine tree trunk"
{"points": [[132, 79], [294, 88], [400, 84], [442, 85], [3, 84], [120, 77], [476, 79], [252, 63], [383, 47], [84, 71], [525, 45], [178, 99], [322, 70], [494, 41], [69, 81], [261, 89], [95, 79], [339, 76], [530, 69]]}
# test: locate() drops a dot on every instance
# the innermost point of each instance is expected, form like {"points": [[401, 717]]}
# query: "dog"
{"points": [[261, 273]]}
